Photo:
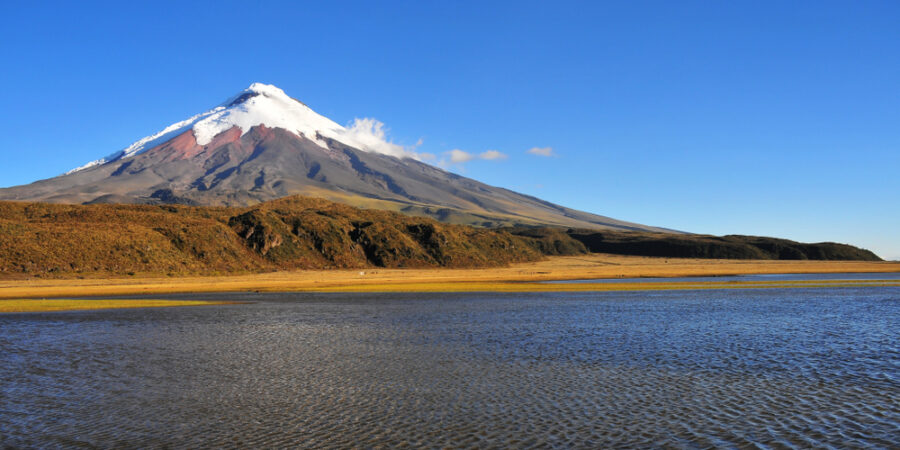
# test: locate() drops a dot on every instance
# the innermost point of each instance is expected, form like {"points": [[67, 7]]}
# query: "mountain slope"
{"points": [[262, 145]]}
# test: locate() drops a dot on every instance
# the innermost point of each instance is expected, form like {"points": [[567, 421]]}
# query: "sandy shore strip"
{"points": [[524, 277]]}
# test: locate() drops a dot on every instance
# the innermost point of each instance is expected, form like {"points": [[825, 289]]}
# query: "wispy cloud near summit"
{"points": [[373, 135]]}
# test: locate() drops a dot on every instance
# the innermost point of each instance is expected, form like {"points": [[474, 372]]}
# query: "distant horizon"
{"points": [[757, 118]]}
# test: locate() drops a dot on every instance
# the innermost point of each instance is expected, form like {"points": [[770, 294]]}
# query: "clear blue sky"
{"points": [[767, 118]]}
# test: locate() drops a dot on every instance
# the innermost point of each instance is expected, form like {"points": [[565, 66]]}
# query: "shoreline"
{"points": [[523, 277], [12, 306]]}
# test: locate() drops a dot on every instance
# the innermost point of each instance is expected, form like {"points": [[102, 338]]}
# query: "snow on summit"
{"points": [[265, 104]]}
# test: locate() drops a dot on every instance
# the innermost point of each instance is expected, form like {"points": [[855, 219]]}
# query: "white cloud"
{"points": [[542, 151], [492, 155], [370, 135], [458, 156]]}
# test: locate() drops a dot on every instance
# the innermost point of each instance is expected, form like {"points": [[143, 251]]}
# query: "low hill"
{"points": [[41, 239], [295, 232], [718, 247]]}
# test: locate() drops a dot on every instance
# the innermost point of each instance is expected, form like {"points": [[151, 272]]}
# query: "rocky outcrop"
{"points": [[718, 247]]}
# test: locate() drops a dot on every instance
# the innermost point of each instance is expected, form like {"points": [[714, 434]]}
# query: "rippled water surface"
{"points": [[795, 368]]}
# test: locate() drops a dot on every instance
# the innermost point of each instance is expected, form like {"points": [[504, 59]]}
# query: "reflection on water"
{"points": [[800, 367]]}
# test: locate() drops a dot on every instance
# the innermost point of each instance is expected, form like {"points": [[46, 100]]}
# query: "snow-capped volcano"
{"points": [[261, 144], [263, 104]]}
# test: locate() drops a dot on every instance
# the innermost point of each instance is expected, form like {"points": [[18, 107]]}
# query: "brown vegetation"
{"points": [[38, 239], [715, 247], [52, 240]]}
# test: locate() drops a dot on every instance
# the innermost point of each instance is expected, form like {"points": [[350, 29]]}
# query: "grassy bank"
{"points": [[51, 241], [517, 277]]}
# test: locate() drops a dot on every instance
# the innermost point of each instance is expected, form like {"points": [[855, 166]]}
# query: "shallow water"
{"points": [[752, 277], [795, 368]]}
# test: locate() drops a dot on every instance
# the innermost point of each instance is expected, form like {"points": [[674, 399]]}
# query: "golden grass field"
{"points": [[524, 277]]}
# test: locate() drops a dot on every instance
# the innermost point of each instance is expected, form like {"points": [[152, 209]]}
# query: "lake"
{"points": [[774, 277], [693, 369]]}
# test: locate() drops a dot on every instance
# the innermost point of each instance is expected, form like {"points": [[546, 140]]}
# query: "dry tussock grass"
{"points": [[519, 277]]}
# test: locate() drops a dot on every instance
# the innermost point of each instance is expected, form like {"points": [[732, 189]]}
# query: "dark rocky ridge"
{"points": [[718, 247], [292, 233], [40, 239]]}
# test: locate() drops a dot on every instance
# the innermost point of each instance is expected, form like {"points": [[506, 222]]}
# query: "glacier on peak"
{"points": [[265, 104]]}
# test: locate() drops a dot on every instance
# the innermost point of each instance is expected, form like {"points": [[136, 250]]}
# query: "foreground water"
{"points": [[796, 368]]}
